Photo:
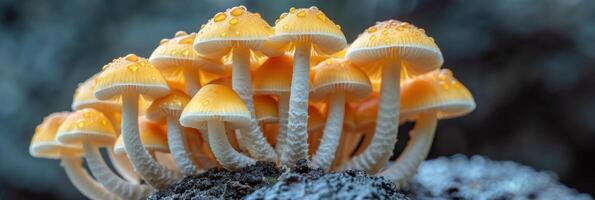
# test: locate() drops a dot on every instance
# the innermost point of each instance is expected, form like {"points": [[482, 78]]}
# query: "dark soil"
{"points": [[265, 181]]}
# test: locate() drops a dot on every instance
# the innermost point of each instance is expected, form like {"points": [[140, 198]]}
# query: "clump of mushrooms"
{"points": [[183, 101]]}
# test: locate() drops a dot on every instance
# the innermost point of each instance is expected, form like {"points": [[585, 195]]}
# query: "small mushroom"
{"points": [[176, 55], [426, 99], [92, 129], [130, 77], [302, 30], [44, 145], [214, 107], [383, 51], [237, 32], [338, 81]]}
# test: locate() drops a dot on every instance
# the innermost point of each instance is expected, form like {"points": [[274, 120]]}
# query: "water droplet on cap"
{"points": [[292, 10], [180, 33], [237, 11], [223, 34], [220, 17], [372, 29], [321, 16], [133, 67], [80, 124], [131, 58], [283, 15], [233, 21], [301, 13], [205, 103]]}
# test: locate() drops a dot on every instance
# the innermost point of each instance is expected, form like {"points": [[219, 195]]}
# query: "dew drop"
{"points": [[237, 11], [301, 13], [313, 8], [180, 33], [292, 10], [445, 86], [133, 67], [186, 52], [321, 16], [163, 41], [385, 32], [442, 77], [104, 67], [220, 17], [223, 34], [80, 124], [233, 21], [372, 29], [202, 26], [131, 57], [387, 41], [283, 15], [372, 38], [205, 103], [338, 26]]}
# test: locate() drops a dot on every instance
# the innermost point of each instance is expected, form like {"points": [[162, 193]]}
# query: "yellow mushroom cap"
{"points": [[86, 125], [416, 51], [309, 24], [226, 29], [438, 92], [177, 53], [171, 105], [215, 102], [315, 119], [130, 74], [153, 137], [337, 74], [44, 144], [274, 76], [266, 109], [84, 98]]}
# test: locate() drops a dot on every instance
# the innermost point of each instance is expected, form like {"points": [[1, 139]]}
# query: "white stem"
{"points": [[192, 79], [228, 157], [240, 142], [178, 147], [83, 182], [385, 134], [111, 181], [331, 134], [283, 109], [123, 166], [242, 84], [415, 152], [296, 144], [156, 175]]}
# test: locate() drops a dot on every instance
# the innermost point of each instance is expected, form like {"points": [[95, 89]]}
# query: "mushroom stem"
{"points": [[192, 81], [297, 134], [73, 166], [123, 167], [156, 175], [242, 84], [224, 153], [283, 108], [331, 134], [415, 152], [111, 181], [179, 148], [386, 131]]}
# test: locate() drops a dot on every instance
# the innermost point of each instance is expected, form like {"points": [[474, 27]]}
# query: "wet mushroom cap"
{"points": [[153, 137], [310, 24], [83, 97], [437, 91], [175, 53], [130, 74], [337, 74], [171, 105], [215, 102], [44, 144], [86, 125]]}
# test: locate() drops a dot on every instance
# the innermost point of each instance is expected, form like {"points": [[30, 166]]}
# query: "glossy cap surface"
{"points": [[340, 75], [86, 126]]}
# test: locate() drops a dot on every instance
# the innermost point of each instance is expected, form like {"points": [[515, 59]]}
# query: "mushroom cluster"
{"points": [[240, 91]]}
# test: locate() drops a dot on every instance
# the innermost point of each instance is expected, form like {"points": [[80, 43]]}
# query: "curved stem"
{"points": [[415, 152], [386, 131], [283, 109], [178, 147], [111, 181], [224, 153], [123, 166], [296, 144], [156, 175], [192, 80], [242, 84], [83, 181], [331, 134]]}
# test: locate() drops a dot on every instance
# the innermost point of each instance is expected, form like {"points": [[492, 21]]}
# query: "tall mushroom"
{"points": [[303, 29], [215, 107], [338, 81], [130, 77], [44, 145], [383, 51], [274, 78], [426, 99], [176, 56], [238, 32], [170, 108], [83, 98]]}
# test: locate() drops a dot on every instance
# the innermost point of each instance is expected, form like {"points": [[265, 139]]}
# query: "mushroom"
{"points": [[383, 51], [200, 151], [93, 130], [315, 126], [44, 145], [238, 32], [214, 107], [274, 78], [267, 115], [130, 77], [426, 99], [176, 56], [303, 29], [345, 147], [338, 81], [83, 98], [170, 107]]}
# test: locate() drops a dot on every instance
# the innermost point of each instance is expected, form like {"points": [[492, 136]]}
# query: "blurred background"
{"points": [[529, 63]]}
